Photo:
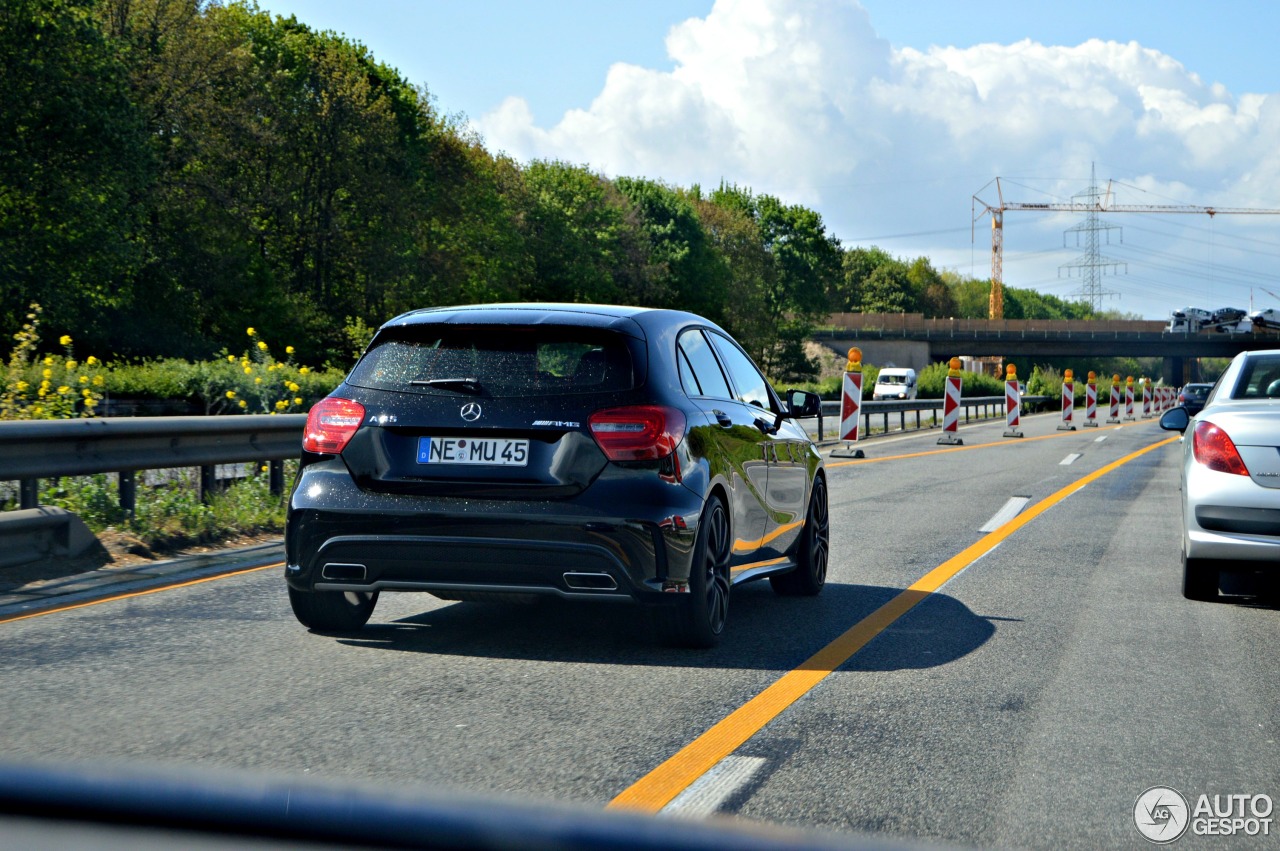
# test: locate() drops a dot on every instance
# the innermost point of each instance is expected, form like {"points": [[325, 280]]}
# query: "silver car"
{"points": [[1231, 475]]}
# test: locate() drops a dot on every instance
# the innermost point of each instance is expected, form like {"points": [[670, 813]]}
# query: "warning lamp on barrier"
{"points": [[1012, 402], [951, 405]]}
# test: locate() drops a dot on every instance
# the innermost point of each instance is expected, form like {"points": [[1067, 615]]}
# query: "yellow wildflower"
{"points": [[251, 332], [231, 358], [281, 405], [262, 345], [97, 381], [231, 394], [303, 371], [65, 339], [64, 390], [90, 402], [84, 379], [71, 366], [248, 369], [258, 380], [91, 360], [48, 373], [48, 361], [297, 400], [244, 404], [288, 350], [87, 393]]}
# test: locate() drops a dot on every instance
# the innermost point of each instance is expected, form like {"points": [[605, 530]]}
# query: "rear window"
{"points": [[496, 361], [1259, 379]]}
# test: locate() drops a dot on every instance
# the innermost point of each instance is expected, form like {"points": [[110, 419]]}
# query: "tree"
{"points": [[686, 270], [73, 161]]}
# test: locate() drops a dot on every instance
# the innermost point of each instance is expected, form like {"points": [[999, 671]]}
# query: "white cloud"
{"points": [[806, 101]]}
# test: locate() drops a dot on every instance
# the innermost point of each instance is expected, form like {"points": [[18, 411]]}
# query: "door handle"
{"points": [[723, 418]]}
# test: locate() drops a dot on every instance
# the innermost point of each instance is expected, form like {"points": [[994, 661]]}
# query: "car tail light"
{"points": [[330, 424], [1213, 448], [637, 432]]}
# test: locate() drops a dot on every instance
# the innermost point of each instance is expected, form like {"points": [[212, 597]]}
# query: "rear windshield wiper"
{"points": [[467, 385]]}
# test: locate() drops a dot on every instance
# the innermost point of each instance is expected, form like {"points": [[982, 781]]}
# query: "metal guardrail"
{"points": [[41, 449]]}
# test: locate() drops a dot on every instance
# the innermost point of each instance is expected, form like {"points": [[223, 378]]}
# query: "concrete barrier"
{"points": [[38, 533]]}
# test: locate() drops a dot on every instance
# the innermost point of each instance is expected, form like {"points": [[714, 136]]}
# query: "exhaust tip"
{"points": [[590, 581], [344, 572]]}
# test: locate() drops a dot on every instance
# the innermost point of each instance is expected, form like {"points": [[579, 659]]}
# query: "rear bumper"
{"points": [[341, 538]]}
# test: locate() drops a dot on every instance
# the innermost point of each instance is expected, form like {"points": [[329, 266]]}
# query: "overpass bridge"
{"points": [[912, 337]]}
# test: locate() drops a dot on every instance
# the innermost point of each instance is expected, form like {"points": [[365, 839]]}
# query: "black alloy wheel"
{"points": [[810, 574], [698, 618], [333, 611]]}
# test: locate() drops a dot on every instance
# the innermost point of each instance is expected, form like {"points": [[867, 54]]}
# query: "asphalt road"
{"points": [[1028, 701]]}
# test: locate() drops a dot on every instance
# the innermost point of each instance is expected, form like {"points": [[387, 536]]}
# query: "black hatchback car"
{"points": [[511, 452], [1193, 396]]}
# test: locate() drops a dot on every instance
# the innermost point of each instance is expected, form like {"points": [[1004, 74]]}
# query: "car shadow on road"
{"points": [[765, 632]]}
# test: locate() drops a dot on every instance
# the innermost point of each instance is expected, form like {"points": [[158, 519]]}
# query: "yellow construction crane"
{"points": [[1098, 202]]}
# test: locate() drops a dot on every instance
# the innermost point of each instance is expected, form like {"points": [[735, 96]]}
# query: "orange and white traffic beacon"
{"points": [[1068, 400], [851, 406], [951, 405], [1115, 399], [1012, 401], [1091, 401]]}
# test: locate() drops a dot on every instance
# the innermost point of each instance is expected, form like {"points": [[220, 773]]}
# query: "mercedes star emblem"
{"points": [[471, 412]]}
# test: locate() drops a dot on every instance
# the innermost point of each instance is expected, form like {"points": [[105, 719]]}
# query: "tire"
{"points": [[1199, 579], [810, 574], [698, 619], [333, 611]]}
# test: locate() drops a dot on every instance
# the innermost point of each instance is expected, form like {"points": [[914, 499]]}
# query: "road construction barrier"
{"points": [[851, 406], [1146, 399], [951, 405], [1128, 399], [1115, 400], [1012, 402], [1068, 401], [1091, 401]]}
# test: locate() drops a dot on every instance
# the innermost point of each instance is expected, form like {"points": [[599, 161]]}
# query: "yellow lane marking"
{"points": [[660, 786], [1010, 442], [141, 593], [741, 546]]}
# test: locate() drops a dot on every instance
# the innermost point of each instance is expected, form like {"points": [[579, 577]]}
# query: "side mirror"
{"points": [[802, 403], [1175, 419]]}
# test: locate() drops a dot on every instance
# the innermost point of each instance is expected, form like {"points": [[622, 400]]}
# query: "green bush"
{"points": [[929, 383]]}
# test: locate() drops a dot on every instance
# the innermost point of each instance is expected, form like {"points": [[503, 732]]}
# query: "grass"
{"points": [[170, 512]]}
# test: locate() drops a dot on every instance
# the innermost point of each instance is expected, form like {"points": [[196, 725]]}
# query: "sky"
{"points": [[888, 116]]}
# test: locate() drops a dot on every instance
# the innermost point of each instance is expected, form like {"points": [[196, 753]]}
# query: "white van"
{"points": [[895, 383]]}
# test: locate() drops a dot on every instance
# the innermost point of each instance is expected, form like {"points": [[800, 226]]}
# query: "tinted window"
{"points": [[699, 360], [496, 361], [752, 388], [1260, 379]]}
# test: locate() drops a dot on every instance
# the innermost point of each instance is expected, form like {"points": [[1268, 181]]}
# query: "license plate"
{"points": [[490, 451]]}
